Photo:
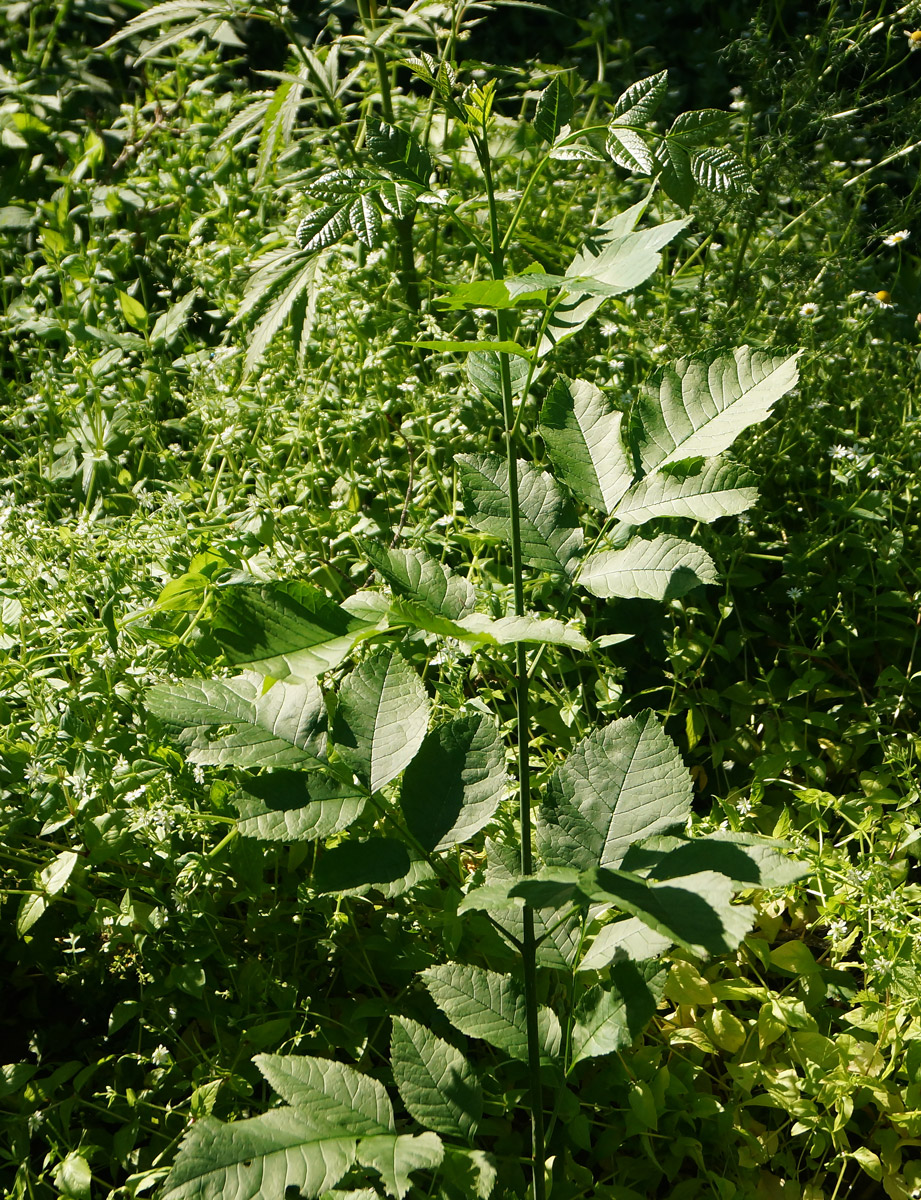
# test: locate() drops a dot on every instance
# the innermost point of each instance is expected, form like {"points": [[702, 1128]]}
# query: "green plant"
{"points": [[614, 880]]}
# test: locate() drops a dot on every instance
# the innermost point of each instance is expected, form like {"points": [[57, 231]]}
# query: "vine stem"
{"points": [[529, 943]]}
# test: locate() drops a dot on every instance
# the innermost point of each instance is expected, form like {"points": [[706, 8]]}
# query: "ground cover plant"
{"points": [[283, 638]]}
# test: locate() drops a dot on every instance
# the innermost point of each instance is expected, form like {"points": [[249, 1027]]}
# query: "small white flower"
{"points": [[745, 807], [914, 39], [875, 473], [795, 593], [160, 1057], [809, 309], [198, 774], [900, 235], [837, 931], [838, 452]]}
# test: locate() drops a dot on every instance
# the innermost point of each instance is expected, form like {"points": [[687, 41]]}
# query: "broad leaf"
{"points": [[357, 865], [746, 859], [554, 109], [489, 1006], [480, 630], [716, 489], [582, 434], [435, 1081], [395, 1156], [258, 1159], [698, 407], [484, 371], [608, 1019], [622, 262], [622, 783], [382, 717], [238, 722], [291, 806], [629, 150], [285, 628], [627, 939], [675, 176], [550, 538], [331, 1094], [423, 579], [640, 102], [696, 911], [665, 568], [455, 783]]}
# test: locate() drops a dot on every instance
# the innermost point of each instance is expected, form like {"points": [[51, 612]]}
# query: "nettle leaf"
{"points": [[484, 371], [640, 102], [435, 1081], [291, 806], [489, 1006], [355, 865], [382, 717], [696, 911], [719, 171], [623, 782], [396, 1156], [617, 258], [550, 538], [238, 722], [285, 628], [259, 1158], [699, 406], [554, 109], [717, 488], [665, 568], [334, 1096], [398, 152], [455, 783], [582, 434], [611, 1018], [423, 579]]}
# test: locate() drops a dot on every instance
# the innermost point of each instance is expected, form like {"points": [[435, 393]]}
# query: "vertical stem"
{"points": [[529, 944]]}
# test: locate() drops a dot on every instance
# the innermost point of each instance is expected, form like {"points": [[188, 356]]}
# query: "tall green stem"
{"points": [[529, 943]]}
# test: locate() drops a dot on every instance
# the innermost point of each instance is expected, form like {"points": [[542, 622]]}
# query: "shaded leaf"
{"points": [[554, 109], [611, 1018], [399, 152], [623, 782], [489, 1006], [291, 806], [484, 372], [455, 783], [354, 865], [435, 1081], [628, 938], [396, 1156]]}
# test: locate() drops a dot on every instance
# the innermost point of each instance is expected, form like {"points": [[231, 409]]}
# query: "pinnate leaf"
{"points": [[455, 783], [639, 103], [665, 568], [554, 109], [717, 488], [550, 537], [335, 1096], [699, 406], [435, 1081], [382, 717], [291, 806], [624, 782], [396, 1156], [419, 577]]}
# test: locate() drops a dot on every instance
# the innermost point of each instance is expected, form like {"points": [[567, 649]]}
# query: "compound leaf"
{"points": [[623, 782], [436, 1083], [291, 806], [455, 783], [395, 1156], [382, 717], [419, 577], [699, 406], [664, 568], [716, 489], [611, 1018], [554, 109], [549, 536]]}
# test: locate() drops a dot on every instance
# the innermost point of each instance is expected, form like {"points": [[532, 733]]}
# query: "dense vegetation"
{"points": [[384, 393]]}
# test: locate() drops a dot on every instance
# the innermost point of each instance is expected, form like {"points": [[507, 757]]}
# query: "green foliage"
{"points": [[261, 649]]}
